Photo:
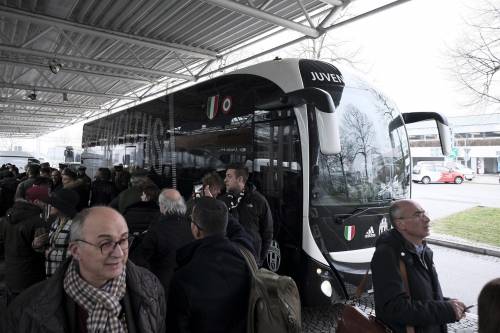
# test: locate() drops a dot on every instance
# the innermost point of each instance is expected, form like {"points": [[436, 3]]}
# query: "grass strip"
{"points": [[478, 224]]}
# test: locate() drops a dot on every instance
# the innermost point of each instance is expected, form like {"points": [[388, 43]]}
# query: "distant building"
{"points": [[476, 142]]}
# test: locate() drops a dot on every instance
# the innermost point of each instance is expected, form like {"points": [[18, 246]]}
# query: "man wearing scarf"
{"points": [[96, 290], [251, 209]]}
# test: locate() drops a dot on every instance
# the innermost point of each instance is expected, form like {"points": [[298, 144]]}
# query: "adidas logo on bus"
{"points": [[370, 233]]}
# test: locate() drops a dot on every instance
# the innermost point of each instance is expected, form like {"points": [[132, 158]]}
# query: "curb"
{"points": [[464, 247]]}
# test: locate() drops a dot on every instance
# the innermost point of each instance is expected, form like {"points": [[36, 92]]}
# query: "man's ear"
{"points": [[74, 250], [195, 231]]}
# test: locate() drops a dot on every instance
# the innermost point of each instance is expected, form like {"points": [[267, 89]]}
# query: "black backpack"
{"points": [[274, 301]]}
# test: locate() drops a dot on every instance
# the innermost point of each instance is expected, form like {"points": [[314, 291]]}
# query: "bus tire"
{"points": [[426, 180], [459, 180]]}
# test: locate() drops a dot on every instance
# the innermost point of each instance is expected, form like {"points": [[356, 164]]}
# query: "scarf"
{"points": [[102, 305], [235, 199]]}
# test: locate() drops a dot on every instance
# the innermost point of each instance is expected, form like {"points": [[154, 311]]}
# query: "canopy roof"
{"points": [[64, 61]]}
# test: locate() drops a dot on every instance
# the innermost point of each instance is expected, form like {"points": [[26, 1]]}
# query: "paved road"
{"points": [[463, 274], [441, 200]]}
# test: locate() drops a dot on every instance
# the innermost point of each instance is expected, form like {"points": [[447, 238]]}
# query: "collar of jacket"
{"points": [[186, 253], [406, 245]]}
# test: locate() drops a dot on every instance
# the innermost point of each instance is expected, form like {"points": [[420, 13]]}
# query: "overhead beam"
{"points": [[31, 126], [67, 91], [108, 34], [49, 55], [19, 113], [333, 2], [54, 105], [104, 75], [264, 16], [48, 122]]}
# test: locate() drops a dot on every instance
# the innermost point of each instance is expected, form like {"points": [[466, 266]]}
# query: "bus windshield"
{"points": [[374, 163]]}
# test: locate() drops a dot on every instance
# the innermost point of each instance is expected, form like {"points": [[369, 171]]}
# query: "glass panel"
{"points": [[374, 163]]}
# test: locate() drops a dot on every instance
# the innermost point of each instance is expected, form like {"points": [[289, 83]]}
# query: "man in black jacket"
{"points": [[424, 306], [95, 291], [23, 265], [250, 208], [209, 291], [164, 236]]}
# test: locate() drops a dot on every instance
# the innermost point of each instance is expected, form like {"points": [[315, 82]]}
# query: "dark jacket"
{"points": [[8, 187], [255, 216], [209, 291], [426, 310], [23, 266], [46, 308], [158, 248], [102, 192], [140, 215]]}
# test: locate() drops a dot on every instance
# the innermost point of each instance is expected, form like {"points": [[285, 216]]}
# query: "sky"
{"points": [[404, 51]]}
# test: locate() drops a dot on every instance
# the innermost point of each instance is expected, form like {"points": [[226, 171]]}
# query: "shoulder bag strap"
{"points": [[404, 275], [249, 258], [361, 286]]}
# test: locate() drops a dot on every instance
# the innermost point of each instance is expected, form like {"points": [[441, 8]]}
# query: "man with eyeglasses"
{"points": [[420, 304], [96, 290]]}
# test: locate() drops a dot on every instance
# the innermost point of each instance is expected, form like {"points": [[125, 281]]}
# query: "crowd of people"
{"points": [[68, 239], [99, 256]]}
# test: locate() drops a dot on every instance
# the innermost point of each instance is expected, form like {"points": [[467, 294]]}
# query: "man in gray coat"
{"points": [[96, 290]]}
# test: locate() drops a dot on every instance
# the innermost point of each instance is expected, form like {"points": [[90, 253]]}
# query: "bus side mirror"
{"points": [[444, 137], [328, 132], [441, 122], [326, 118]]}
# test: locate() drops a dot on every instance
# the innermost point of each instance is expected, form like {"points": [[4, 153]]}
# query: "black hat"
{"points": [[65, 200], [82, 167]]}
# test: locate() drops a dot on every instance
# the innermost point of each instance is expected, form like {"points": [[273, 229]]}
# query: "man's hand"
{"points": [[41, 241], [458, 307]]}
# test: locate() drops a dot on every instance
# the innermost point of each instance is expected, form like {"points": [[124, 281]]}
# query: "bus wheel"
{"points": [[458, 180], [426, 180]]}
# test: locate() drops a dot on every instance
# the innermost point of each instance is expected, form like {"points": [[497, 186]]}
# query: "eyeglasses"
{"points": [[108, 247], [418, 214]]}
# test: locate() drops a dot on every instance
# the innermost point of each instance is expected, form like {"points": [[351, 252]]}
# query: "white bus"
{"points": [[19, 158], [328, 150]]}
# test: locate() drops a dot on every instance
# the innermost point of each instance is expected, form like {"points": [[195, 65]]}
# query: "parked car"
{"points": [[436, 174], [469, 174]]}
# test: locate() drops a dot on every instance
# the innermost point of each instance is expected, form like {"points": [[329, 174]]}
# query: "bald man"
{"points": [[164, 236], [424, 308], [96, 290]]}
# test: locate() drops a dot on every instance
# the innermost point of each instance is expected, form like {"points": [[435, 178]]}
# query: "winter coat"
{"points": [[255, 216], [102, 192], [23, 266], [209, 291], [45, 307], [159, 246], [140, 215], [425, 309]]}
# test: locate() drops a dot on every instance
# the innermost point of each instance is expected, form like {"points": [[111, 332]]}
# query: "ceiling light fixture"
{"points": [[55, 66], [32, 96]]}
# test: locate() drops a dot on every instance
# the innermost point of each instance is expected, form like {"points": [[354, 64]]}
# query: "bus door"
{"points": [[277, 174]]}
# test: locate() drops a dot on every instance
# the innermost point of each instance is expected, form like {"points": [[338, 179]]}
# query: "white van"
{"points": [[19, 158]]}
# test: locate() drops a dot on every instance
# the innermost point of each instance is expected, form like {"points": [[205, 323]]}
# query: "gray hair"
{"points": [[170, 206], [77, 224]]}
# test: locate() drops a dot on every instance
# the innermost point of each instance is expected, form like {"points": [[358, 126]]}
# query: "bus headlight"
{"points": [[326, 288]]}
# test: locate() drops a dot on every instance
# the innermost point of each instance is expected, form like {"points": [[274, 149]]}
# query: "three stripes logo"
{"points": [[370, 233]]}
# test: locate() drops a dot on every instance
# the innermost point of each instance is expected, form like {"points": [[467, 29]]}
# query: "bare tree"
{"points": [[477, 58], [360, 128]]}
